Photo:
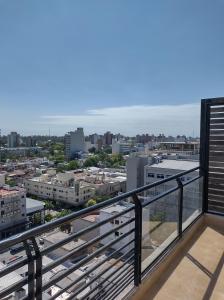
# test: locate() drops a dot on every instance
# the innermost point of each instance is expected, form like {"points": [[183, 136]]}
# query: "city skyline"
{"points": [[87, 60]]}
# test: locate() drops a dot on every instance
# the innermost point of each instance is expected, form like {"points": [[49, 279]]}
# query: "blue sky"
{"points": [[121, 65]]}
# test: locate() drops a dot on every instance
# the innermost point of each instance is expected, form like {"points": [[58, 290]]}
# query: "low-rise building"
{"points": [[57, 236], [85, 222], [110, 211], [60, 187], [34, 212], [181, 146], [105, 182]]}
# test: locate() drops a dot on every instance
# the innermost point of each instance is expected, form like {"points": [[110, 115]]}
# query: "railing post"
{"points": [[138, 239], [180, 206], [204, 150], [31, 276], [38, 256]]}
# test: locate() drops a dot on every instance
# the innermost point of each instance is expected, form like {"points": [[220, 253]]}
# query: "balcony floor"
{"points": [[194, 271]]}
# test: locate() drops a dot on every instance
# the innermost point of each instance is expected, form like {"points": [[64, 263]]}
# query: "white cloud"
{"points": [[131, 120]]}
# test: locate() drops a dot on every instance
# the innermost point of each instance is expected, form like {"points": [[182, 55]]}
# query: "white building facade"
{"points": [[120, 147], [12, 210], [61, 187]]}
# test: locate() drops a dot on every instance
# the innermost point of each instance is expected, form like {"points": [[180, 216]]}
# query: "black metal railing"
{"points": [[100, 277]]}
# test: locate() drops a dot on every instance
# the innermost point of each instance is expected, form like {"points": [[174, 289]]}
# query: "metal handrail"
{"points": [[135, 233], [56, 223]]}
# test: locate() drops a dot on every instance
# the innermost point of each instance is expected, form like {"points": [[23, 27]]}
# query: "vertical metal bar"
{"points": [[204, 149], [138, 240], [180, 207], [31, 277], [38, 293]]}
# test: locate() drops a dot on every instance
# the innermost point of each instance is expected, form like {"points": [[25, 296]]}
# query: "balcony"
{"points": [[194, 267], [166, 246]]}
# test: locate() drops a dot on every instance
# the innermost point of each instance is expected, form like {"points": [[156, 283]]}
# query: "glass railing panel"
{"points": [[159, 227], [192, 201]]}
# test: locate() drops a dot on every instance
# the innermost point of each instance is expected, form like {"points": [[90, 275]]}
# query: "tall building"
{"points": [[94, 138], [107, 138], [13, 140], [135, 171], [29, 141], [74, 143]]}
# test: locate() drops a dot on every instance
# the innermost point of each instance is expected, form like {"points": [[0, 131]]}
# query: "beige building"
{"points": [[104, 181], [60, 187]]}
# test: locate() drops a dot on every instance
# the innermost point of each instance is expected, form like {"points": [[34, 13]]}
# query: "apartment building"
{"points": [[74, 143], [107, 138], [12, 210], [121, 147], [13, 140], [60, 187]]}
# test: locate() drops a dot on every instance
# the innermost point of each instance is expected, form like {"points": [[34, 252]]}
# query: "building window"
{"points": [[2, 202], [160, 176], [117, 222], [2, 213], [116, 233], [151, 175]]}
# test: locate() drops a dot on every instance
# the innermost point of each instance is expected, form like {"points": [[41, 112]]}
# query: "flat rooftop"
{"points": [[58, 236], [116, 208], [182, 165], [91, 218], [5, 192], [33, 205]]}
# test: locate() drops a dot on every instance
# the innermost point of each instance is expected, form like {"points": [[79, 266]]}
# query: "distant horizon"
{"points": [[128, 120]]}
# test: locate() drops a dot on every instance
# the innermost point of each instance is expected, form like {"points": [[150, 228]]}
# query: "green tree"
{"points": [[48, 217], [73, 165], [63, 213], [37, 219], [49, 204], [91, 162], [92, 150], [91, 202]]}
